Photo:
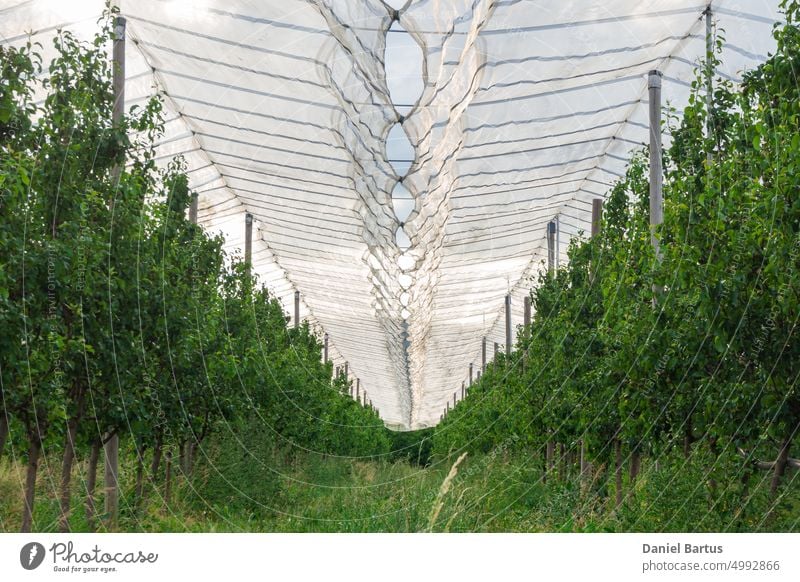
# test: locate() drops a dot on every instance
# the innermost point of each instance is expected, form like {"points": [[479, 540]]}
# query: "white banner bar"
{"points": [[400, 557]]}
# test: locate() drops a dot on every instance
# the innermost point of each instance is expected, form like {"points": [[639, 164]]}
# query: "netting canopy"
{"points": [[402, 163]]}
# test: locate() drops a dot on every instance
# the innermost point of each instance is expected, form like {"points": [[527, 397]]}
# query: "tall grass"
{"points": [[271, 490]]}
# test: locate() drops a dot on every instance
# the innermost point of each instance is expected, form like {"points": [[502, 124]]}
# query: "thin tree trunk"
{"points": [[584, 477], [30, 483], [91, 482], [190, 457], [780, 467], [712, 445], [687, 438], [156, 459], [139, 472], [66, 474], [3, 431], [618, 470], [636, 465], [168, 480], [549, 454], [182, 457]]}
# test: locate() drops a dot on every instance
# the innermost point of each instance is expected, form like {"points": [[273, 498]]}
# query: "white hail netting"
{"points": [[529, 110]]}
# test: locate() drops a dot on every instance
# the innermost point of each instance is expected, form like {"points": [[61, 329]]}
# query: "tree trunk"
{"points": [[182, 457], [780, 467], [712, 445], [139, 473], [618, 470], [549, 454], [636, 465], [190, 457], [156, 459], [111, 480], [66, 474], [168, 480], [687, 439], [30, 483], [91, 482], [3, 431], [584, 477]]}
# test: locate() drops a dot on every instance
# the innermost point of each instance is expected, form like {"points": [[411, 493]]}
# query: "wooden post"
{"points": [[463, 391], [496, 350], [193, 209], [509, 340], [345, 371], [478, 377], [483, 354], [248, 242], [454, 399], [470, 375], [551, 247], [297, 309], [358, 388], [325, 349]]}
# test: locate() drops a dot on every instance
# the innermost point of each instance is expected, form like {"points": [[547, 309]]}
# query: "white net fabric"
{"points": [[529, 111]]}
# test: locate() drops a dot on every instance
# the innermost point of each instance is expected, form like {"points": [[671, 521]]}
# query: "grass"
{"points": [[271, 491]]}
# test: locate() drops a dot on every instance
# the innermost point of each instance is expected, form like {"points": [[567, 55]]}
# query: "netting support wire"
{"points": [[483, 354], [709, 74], [297, 309], [325, 349], [248, 242], [193, 209], [111, 447], [509, 342], [656, 177]]}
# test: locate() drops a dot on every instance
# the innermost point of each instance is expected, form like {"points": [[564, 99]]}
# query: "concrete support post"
{"points": [[509, 340]]}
